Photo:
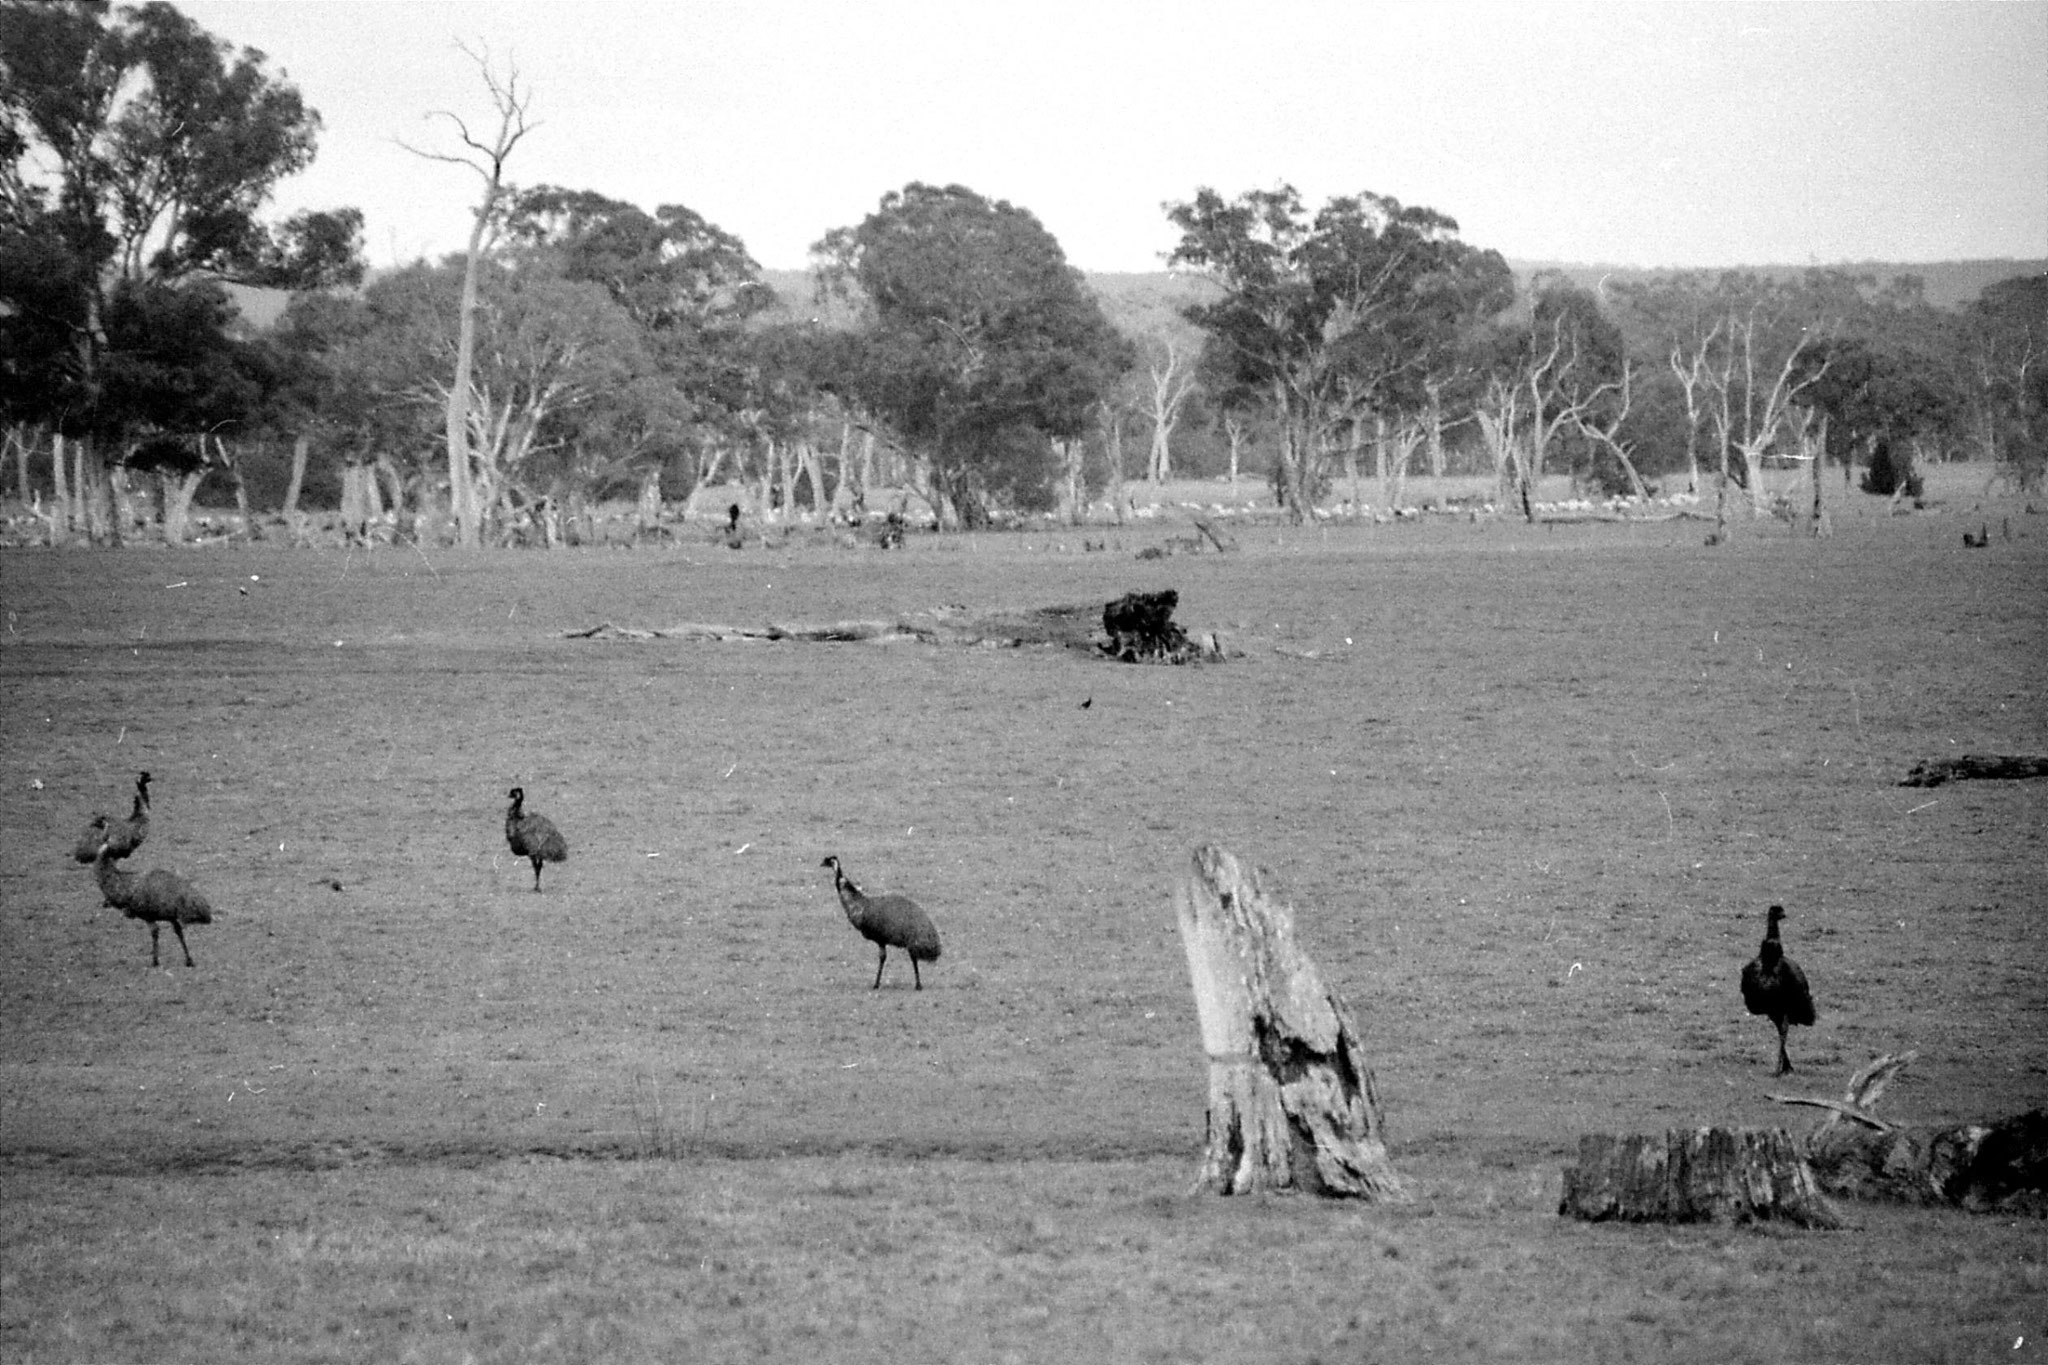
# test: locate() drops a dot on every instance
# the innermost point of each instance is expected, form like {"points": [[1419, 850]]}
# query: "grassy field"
{"points": [[1529, 790]]}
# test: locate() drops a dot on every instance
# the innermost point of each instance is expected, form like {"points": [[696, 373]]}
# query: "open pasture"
{"points": [[1528, 789]]}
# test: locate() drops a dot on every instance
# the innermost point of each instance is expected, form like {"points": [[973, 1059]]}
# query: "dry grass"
{"points": [[1529, 796]]}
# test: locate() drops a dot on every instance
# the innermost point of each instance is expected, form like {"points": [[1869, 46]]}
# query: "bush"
{"points": [[1891, 471]]}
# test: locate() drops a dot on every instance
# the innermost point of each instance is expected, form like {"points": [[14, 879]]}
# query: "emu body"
{"points": [[156, 898], [533, 837], [1773, 986], [887, 922]]}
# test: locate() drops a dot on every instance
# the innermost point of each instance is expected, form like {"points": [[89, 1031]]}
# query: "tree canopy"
{"points": [[1328, 318], [980, 346], [136, 151]]}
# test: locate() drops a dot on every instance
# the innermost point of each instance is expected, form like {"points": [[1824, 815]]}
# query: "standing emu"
{"points": [[533, 836], [157, 899], [1773, 986], [887, 921], [122, 836]]}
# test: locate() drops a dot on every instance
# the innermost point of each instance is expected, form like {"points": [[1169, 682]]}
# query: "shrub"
{"points": [[1891, 470]]}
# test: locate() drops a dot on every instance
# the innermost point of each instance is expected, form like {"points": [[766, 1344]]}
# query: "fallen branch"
{"points": [[1847, 1111]]}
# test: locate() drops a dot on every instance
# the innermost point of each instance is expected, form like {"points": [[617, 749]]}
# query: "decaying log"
{"points": [[1292, 1104], [1695, 1175], [2001, 1165], [1934, 772], [1152, 639]]}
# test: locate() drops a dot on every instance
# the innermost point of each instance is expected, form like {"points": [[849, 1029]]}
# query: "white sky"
{"points": [[1629, 134]]}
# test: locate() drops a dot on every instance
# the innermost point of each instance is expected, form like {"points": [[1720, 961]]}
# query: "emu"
{"points": [[533, 837], [886, 922], [156, 899], [1773, 986]]}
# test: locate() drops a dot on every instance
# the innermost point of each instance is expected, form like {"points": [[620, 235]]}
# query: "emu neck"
{"points": [[113, 881]]}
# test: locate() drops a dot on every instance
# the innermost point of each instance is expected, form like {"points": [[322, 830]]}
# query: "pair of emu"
{"points": [[157, 898], [885, 921]]}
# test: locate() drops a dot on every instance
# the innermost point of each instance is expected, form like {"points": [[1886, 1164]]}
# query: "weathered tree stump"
{"points": [[1978, 1166], [1693, 1176], [1291, 1098], [1140, 628], [1989, 767]]}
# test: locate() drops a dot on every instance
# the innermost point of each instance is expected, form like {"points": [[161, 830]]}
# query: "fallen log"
{"points": [[1153, 637], [1292, 1104], [1994, 767], [1695, 1175], [2002, 1165]]}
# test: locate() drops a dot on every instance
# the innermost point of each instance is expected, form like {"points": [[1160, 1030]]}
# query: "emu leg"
{"points": [[880, 962], [154, 930], [179, 930], [913, 972], [536, 874], [1784, 1057]]}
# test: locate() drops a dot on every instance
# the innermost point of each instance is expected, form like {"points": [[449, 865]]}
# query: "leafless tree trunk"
{"points": [[1608, 433], [1292, 1104], [19, 443], [1691, 375], [302, 449], [488, 161], [60, 492], [1234, 432], [1173, 380], [1113, 447]]}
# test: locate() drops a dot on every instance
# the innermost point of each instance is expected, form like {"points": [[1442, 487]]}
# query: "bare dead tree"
{"points": [[1172, 377], [1692, 374], [487, 159], [1607, 433]]}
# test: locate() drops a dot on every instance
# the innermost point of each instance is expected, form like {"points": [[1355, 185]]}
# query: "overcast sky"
{"points": [[1629, 134]]}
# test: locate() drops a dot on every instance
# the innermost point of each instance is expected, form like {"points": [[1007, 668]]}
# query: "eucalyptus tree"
{"points": [[546, 349], [2004, 347], [1561, 380], [136, 151], [695, 297], [978, 345], [1328, 320]]}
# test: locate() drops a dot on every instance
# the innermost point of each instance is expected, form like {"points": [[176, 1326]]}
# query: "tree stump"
{"points": [[1291, 1099], [1695, 1175], [1141, 630], [1977, 1166]]}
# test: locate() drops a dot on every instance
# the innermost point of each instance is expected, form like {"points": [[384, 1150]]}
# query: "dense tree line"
{"points": [[948, 352]]}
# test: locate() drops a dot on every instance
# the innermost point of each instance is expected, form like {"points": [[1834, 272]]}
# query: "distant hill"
{"points": [[1138, 301], [1142, 301], [1945, 284]]}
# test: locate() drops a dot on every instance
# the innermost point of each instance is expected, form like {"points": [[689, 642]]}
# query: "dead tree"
{"points": [[1292, 1104], [487, 159]]}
